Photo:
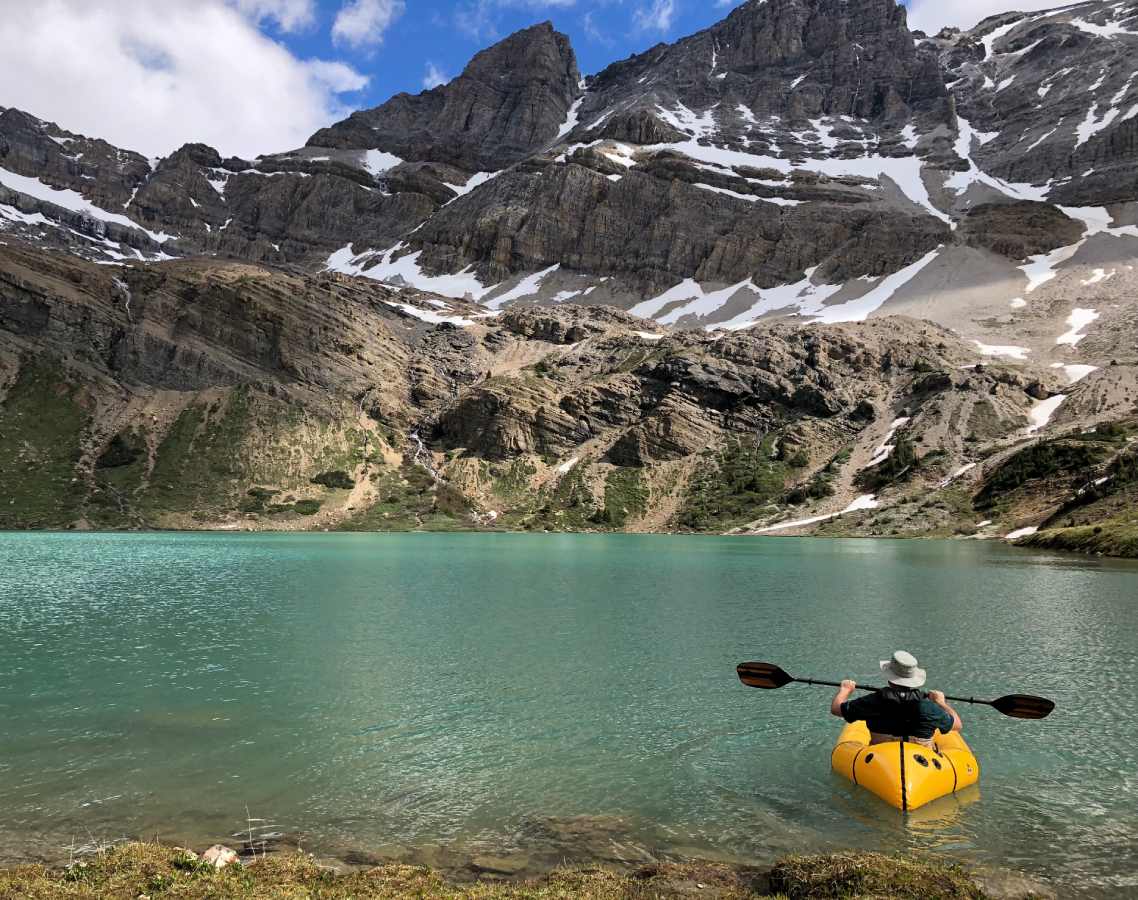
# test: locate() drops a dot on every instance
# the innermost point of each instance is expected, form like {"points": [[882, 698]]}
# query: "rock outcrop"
{"points": [[508, 103]]}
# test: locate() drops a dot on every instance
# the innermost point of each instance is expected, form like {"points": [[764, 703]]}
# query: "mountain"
{"points": [[426, 299]]}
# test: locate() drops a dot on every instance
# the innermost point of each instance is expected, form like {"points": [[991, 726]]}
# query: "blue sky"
{"points": [[429, 39], [259, 76], [440, 37]]}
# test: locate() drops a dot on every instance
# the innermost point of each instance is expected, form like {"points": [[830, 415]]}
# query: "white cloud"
{"points": [[151, 75], [290, 15], [363, 22], [593, 31], [931, 16], [434, 77], [657, 17], [337, 77]]}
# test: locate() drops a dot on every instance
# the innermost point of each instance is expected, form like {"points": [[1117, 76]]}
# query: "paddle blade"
{"points": [[1024, 706], [762, 675]]}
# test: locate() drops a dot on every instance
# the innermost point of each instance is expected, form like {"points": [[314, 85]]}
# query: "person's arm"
{"points": [[937, 697], [843, 694]]}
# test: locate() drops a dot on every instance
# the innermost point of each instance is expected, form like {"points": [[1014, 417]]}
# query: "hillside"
{"points": [[803, 262]]}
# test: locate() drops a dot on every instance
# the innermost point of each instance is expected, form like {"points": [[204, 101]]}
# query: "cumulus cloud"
{"points": [[659, 16], [362, 23], [931, 16], [289, 15], [151, 75], [434, 77]]}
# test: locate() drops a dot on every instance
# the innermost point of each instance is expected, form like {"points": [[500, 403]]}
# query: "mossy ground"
{"points": [[41, 429], [1113, 538], [138, 870], [626, 498]]}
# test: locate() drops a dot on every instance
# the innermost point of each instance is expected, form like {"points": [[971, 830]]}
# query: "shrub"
{"points": [[337, 478]]}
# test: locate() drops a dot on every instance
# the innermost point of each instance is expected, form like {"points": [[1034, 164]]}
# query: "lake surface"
{"points": [[465, 693]]}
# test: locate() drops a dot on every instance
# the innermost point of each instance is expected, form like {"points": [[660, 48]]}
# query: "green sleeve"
{"points": [[941, 719]]}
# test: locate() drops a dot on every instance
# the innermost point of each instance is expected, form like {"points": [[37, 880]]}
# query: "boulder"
{"points": [[219, 856]]}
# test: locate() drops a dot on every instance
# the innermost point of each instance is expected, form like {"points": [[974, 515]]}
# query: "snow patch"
{"points": [[1099, 275], [885, 450], [1041, 413], [1021, 533], [1074, 372], [406, 268], [570, 119], [428, 316], [471, 183], [865, 501], [859, 310], [997, 350], [1078, 320], [1041, 268], [73, 201], [566, 467], [528, 286], [378, 161]]}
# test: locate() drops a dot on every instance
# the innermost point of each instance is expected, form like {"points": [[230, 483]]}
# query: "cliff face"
{"points": [[797, 142], [507, 104]]}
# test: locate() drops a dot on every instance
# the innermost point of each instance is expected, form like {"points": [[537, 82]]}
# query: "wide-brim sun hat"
{"points": [[903, 670]]}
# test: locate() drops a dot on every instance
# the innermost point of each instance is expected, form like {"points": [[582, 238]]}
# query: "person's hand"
{"points": [[848, 685], [937, 697]]}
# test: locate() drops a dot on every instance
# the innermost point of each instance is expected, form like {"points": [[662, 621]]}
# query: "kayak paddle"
{"points": [[770, 676]]}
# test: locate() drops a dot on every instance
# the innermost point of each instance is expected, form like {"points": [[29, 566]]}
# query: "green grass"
{"points": [[569, 506], [410, 500], [1047, 459], [198, 462], [733, 487], [218, 456], [41, 430], [130, 871], [871, 875], [1110, 538], [513, 480], [626, 497]]}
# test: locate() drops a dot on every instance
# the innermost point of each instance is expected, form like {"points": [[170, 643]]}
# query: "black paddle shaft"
{"points": [[870, 687], [1018, 706]]}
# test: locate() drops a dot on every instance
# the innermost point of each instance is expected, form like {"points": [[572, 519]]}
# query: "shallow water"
{"points": [[456, 691]]}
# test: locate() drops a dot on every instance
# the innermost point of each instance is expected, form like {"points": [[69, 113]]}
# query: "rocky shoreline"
{"points": [[137, 870]]}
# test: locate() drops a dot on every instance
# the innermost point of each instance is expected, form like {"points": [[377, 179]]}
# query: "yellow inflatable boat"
{"points": [[903, 774]]}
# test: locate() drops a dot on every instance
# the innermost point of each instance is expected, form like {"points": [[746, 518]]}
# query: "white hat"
{"points": [[903, 670]]}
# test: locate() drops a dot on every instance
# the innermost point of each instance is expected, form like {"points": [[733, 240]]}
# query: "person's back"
{"points": [[900, 710]]}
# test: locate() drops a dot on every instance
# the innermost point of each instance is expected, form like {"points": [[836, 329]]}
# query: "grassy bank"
{"points": [[1107, 539], [136, 870]]}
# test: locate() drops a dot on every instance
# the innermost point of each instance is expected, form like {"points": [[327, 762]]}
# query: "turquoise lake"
{"points": [[554, 696]]}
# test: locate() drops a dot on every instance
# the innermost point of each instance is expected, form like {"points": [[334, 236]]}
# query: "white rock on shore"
{"points": [[219, 856]]}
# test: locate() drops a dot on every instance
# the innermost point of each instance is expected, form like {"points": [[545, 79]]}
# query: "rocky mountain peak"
{"points": [[508, 103], [535, 53]]}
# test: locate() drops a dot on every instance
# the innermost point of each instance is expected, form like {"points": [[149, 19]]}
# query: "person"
{"points": [[900, 711]]}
